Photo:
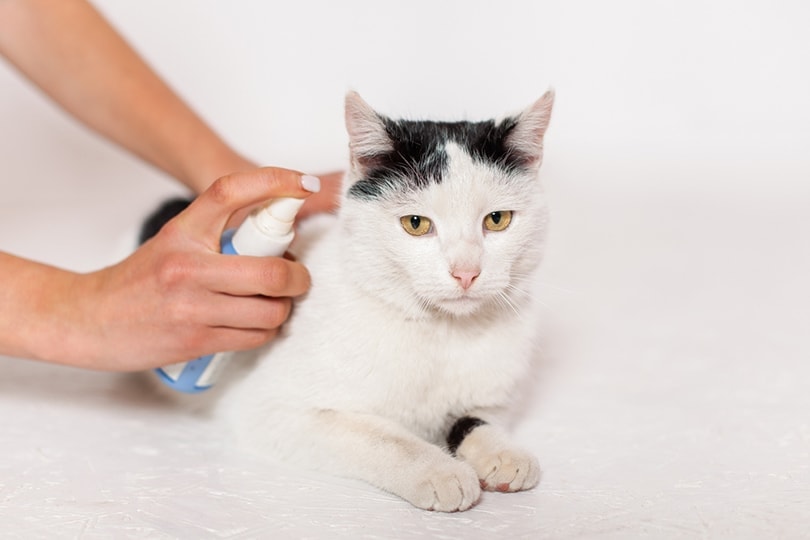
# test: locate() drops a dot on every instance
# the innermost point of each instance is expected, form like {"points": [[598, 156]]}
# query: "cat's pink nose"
{"points": [[465, 278]]}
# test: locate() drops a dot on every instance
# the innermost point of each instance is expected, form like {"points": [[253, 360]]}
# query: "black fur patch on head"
{"points": [[462, 427], [418, 157]]}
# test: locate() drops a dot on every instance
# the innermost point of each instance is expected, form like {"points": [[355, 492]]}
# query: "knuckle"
{"points": [[195, 339], [259, 338], [305, 279], [174, 270], [277, 275], [187, 342], [252, 339], [221, 191], [278, 312], [273, 314], [180, 315], [172, 233]]}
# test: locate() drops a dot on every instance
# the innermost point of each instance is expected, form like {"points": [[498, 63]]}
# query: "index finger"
{"points": [[209, 213]]}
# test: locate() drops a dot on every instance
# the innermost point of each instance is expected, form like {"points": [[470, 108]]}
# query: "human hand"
{"points": [[327, 198], [177, 298]]}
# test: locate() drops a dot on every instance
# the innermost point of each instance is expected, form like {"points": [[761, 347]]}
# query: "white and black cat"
{"points": [[399, 364]]}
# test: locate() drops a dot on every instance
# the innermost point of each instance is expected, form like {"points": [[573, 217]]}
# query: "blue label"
{"points": [[187, 381]]}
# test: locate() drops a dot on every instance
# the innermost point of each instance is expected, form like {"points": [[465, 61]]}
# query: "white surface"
{"points": [[672, 399]]}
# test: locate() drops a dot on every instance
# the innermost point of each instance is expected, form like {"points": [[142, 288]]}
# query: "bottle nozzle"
{"points": [[284, 209], [277, 217], [268, 230]]}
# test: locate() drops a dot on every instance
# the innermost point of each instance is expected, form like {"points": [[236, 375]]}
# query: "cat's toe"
{"points": [[508, 470], [453, 486]]}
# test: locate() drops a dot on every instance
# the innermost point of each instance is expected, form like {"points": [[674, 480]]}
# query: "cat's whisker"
{"points": [[421, 305], [547, 285], [512, 287], [544, 284], [504, 300], [526, 294]]}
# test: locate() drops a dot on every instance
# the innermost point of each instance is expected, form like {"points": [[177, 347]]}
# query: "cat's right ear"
{"points": [[368, 138]]}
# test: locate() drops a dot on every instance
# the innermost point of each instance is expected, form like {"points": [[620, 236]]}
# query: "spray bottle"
{"points": [[267, 232]]}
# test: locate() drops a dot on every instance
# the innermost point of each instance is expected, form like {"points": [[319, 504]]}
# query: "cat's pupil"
{"points": [[415, 222], [496, 217]]}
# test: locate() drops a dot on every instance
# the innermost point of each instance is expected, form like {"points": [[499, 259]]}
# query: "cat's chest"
{"points": [[436, 370]]}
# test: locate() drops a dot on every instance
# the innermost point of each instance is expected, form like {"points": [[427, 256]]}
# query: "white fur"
{"points": [[387, 349]]}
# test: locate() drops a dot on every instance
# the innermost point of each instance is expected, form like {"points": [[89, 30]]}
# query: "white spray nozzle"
{"points": [[279, 213], [269, 229]]}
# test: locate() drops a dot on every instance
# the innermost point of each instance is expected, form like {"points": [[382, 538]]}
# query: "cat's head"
{"points": [[444, 217]]}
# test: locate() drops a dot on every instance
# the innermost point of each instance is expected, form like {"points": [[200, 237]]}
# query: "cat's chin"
{"points": [[462, 306]]}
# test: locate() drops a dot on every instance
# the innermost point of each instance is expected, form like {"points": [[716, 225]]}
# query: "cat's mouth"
{"points": [[464, 304]]}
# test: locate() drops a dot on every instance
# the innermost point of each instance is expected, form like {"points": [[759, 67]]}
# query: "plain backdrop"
{"points": [[673, 394]]}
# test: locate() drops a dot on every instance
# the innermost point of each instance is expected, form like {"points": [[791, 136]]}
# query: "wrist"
{"points": [[68, 329]]}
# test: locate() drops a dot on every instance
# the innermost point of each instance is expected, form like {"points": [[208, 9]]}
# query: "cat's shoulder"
{"points": [[311, 232]]}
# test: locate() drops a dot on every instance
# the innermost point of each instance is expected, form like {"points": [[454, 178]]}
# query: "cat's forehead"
{"points": [[469, 183], [425, 144], [468, 190], [420, 155]]}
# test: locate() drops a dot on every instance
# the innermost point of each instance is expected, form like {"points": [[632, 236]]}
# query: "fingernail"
{"points": [[311, 183]]}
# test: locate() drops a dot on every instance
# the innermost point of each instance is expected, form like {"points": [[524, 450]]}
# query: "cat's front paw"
{"points": [[445, 486], [500, 465], [506, 470]]}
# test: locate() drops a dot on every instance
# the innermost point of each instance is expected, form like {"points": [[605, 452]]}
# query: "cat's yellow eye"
{"points": [[416, 225], [498, 221]]}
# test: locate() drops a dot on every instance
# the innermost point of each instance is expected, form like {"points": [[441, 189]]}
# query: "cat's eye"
{"points": [[498, 221], [416, 225]]}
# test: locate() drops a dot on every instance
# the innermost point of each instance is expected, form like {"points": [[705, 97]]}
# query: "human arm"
{"points": [[174, 299], [73, 55]]}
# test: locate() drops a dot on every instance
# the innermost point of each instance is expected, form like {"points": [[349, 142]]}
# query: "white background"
{"points": [[673, 390]]}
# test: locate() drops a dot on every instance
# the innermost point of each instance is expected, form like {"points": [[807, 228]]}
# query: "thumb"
{"points": [[208, 215]]}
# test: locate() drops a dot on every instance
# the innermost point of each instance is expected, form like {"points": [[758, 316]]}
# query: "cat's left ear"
{"points": [[526, 137]]}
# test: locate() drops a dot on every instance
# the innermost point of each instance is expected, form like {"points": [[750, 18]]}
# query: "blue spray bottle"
{"points": [[267, 232]]}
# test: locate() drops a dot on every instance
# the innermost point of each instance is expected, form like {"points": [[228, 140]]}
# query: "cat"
{"points": [[399, 365]]}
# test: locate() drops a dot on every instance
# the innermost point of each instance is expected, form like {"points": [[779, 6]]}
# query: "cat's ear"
{"points": [[526, 137], [368, 138]]}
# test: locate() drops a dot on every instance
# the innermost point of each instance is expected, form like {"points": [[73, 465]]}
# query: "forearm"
{"points": [[39, 314], [67, 49]]}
